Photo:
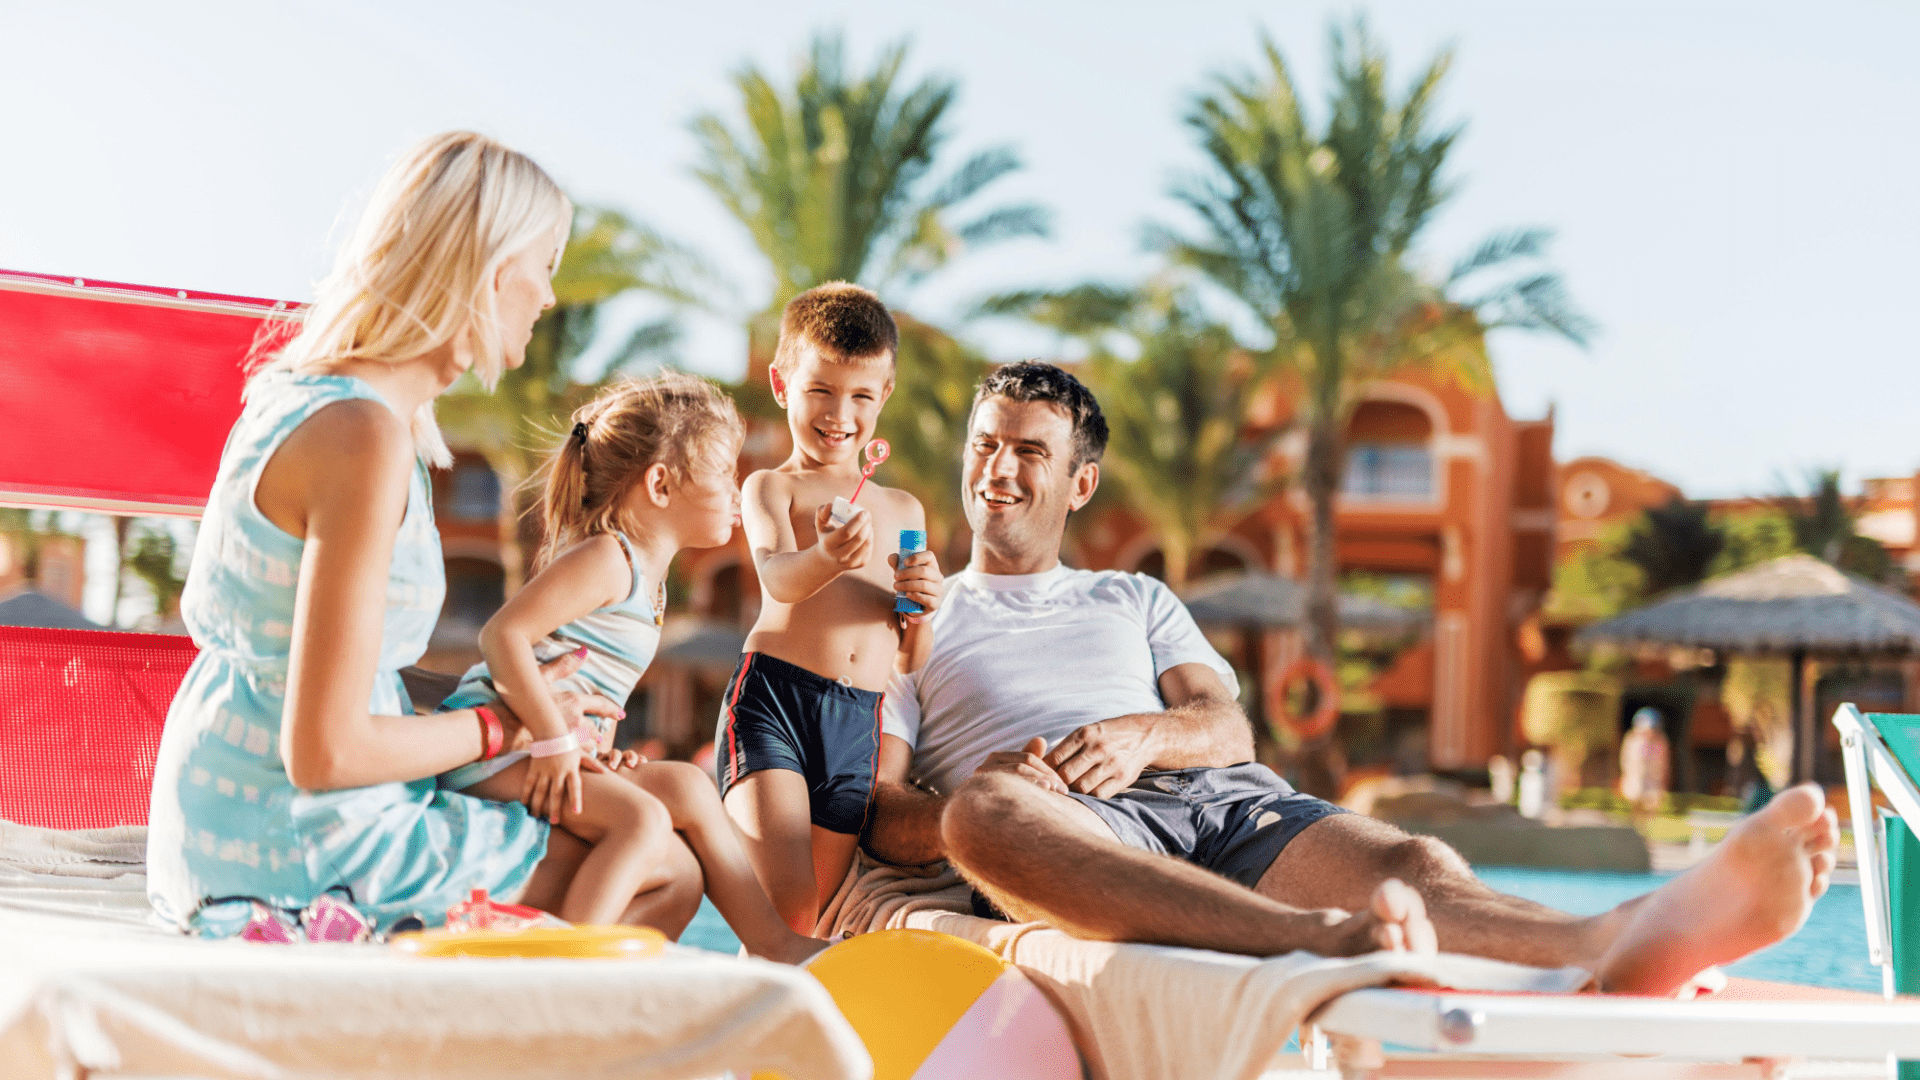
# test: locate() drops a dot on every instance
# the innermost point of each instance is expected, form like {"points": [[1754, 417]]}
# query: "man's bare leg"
{"points": [[1040, 855], [1755, 889], [1338, 861]]}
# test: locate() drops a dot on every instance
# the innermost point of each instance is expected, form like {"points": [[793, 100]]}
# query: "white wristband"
{"points": [[553, 747]]}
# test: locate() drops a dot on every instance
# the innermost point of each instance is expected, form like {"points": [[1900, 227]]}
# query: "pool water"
{"points": [[709, 931], [1830, 950]]}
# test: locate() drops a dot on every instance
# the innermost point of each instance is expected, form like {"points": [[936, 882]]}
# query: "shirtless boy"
{"points": [[799, 733]]}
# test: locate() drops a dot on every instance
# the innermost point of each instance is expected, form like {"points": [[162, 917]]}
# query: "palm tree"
{"points": [[831, 176], [1823, 523], [1673, 545], [1311, 230], [1180, 442], [158, 559], [925, 421], [608, 254]]}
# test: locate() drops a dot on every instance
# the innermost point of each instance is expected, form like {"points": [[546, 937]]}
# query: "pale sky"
{"points": [[1733, 184]]}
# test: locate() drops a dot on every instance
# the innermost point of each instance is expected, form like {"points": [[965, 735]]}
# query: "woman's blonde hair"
{"points": [[672, 419], [418, 268]]}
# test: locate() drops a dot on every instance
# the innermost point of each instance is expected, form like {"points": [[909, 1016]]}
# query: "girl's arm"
{"points": [[339, 482], [788, 573], [920, 581], [587, 576]]}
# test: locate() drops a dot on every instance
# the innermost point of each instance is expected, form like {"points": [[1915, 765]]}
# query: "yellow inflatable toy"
{"points": [[569, 942], [935, 1007]]}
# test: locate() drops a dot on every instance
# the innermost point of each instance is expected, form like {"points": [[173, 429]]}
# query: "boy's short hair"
{"points": [[1037, 380], [843, 320]]}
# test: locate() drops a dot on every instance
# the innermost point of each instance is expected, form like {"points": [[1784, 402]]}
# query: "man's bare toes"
{"points": [[1823, 864], [1799, 805], [1401, 911], [1824, 833]]}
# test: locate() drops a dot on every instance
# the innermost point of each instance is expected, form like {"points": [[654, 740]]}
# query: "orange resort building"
{"points": [[1449, 505]]}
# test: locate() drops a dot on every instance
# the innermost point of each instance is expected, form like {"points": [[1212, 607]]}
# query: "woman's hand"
{"points": [[574, 707]]}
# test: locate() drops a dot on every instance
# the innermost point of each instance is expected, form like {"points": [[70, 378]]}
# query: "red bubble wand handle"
{"points": [[874, 452]]}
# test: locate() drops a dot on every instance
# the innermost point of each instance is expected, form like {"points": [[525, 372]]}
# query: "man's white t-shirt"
{"points": [[1015, 656]]}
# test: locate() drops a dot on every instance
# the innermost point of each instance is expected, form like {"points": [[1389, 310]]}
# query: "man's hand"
{"points": [[917, 577], [1104, 759], [847, 546], [1027, 764]]}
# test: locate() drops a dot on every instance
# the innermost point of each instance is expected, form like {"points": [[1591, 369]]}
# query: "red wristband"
{"points": [[495, 734]]}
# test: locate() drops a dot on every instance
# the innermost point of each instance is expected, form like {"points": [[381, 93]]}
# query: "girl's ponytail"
{"points": [[563, 503]]}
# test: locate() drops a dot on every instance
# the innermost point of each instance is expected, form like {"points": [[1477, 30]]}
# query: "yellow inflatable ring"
{"points": [[570, 942]]}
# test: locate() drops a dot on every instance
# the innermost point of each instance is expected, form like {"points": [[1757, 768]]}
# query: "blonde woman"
{"points": [[292, 769]]}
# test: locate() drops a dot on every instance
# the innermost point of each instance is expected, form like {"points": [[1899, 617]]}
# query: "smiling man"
{"points": [[1075, 747]]}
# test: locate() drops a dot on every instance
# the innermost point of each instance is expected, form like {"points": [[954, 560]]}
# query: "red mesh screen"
{"points": [[80, 719]]}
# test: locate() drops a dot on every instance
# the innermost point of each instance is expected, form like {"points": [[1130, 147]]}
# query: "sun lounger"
{"points": [[1145, 1011]]}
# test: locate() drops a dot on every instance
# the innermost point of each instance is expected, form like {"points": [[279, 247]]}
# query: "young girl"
{"points": [[647, 469]]}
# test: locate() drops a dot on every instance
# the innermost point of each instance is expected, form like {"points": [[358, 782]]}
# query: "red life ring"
{"points": [[1327, 694]]}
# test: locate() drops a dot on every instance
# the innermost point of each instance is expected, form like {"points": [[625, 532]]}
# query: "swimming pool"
{"points": [[1831, 950]]}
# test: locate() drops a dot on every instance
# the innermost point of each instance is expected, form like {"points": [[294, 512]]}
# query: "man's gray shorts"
{"points": [[1232, 821]]}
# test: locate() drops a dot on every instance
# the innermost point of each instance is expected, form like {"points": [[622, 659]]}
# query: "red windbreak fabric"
{"points": [[118, 397], [80, 719]]}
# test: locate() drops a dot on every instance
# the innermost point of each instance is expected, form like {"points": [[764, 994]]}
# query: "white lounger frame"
{"points": [[1871, 764], [1551, 1035]]}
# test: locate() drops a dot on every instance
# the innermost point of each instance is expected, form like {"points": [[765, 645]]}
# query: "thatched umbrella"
{"points": [[1254, 602], [1262, 601], [1795, 606]]}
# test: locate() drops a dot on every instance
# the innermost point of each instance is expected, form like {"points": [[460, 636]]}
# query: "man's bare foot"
{"points": [[1395, 920], [1756, 888]]}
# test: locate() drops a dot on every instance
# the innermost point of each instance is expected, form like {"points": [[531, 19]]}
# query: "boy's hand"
{"points": [[847, 546], [622, 759], [917, 577], [553, 784]]}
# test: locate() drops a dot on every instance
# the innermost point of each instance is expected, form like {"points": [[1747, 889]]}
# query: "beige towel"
{"points": [[1149, 1012], [876, 895]]}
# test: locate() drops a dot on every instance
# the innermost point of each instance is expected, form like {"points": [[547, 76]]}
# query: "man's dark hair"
{"points": [[1037, 380]]}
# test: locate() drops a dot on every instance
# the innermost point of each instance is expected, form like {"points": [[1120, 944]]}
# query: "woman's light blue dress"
{"points": [[226, 822]]}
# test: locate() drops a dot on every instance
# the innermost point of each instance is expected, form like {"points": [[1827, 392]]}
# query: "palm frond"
{"points": [[1080, 311], [1502, 248], [648, 343], [1537, 302], [828, 171], [1006, 223]]}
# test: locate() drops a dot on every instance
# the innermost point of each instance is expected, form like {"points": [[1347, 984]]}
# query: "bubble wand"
{"points": [[874, 453]]}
